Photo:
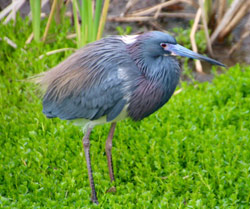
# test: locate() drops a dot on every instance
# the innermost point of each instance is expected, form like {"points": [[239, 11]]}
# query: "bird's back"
{"points": [[87, 84]]}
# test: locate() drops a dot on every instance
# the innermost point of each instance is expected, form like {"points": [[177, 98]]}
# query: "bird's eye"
{"points": [[163, 45]]}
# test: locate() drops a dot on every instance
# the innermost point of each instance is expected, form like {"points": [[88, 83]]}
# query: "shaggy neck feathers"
{"points": [[158, 80], [154, 67]]}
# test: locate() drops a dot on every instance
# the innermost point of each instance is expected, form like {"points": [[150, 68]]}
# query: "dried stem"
{"points": [[7, 10], [221, 10], [49, 20], [31, 36], [156, 15], [56, 51], [148, 18], [198, 65], [70, 36], [103, 19], [239, 43], [209, 45], [157, 26], [238, 16], [244, 35], [177, 15], [130, 19], [177, 91], [152, 9], [227, 18], [15, 7], [10, 42], [130, 4]]}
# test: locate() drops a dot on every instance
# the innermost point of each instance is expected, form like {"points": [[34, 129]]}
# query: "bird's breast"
{"points": [[153, 88]]}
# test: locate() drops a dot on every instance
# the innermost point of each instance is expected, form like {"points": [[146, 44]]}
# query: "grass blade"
{"points": [[77, 26], [35, 6], [50, 19], [90, 21], [84, 17], [98, 11], [103, 19]]}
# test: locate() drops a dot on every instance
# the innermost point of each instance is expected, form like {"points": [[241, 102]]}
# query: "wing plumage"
{"points": [[88, 84]]}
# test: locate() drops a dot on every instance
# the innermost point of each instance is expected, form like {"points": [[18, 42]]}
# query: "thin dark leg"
{"points": [[108, 148], [86, 146]]}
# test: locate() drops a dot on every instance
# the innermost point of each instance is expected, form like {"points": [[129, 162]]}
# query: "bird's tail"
{"points": [[40, 80]]}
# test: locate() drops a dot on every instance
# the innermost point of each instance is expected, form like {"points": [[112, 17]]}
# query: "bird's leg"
{"points": [[86, 146], [108, 148]]}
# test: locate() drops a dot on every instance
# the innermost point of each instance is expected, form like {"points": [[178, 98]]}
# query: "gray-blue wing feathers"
{"points": [[91, 103], [87, 84]]}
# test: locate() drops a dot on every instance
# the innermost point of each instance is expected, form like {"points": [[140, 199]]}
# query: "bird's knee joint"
{"points": [[86, 144], [108, 146]]}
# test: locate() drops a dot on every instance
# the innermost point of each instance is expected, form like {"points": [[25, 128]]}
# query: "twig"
{"points": [[244, 35], [227, 17], [148, 18], [70, 36], [157, 26], [14, 10], [152, 9], [7, 10], [128, 7], [221, 10], [59, 11], [198, 65], [10, 42], [177, 15], [178, 91], [203, 15], [43, 15], [68, 14], [29, 38], [193, 3], [156, 15], [130, 19], [239, 43], [49, 20], [17, 6], [55, 51], [238, 16]]}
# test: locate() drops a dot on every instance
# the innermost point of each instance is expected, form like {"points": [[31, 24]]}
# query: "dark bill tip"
{"points": [[184, 52]]}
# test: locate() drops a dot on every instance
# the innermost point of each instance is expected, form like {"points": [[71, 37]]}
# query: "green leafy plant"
{"points": [[91, 26], [192, 153], [89, 23], [125, 31]]}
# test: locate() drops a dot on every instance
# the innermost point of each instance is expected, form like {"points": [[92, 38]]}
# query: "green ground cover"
{"points": [[192, 153]]}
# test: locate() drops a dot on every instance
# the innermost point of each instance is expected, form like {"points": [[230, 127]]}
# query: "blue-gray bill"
{"points": [[184, 52]]}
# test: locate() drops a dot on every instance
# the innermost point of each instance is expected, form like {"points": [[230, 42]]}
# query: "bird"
{"points": [[111, 79]]}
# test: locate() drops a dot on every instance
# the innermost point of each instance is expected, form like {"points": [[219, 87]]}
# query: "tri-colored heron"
{"points": [[114, 78]]}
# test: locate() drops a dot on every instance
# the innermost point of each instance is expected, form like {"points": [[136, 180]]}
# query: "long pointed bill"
{"points": [[177, 49]]}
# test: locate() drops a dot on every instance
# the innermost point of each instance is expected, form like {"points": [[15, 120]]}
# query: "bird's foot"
{"points": [[111, 190]]}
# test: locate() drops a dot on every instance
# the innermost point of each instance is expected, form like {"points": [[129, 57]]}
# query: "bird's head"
{"points": [[156, 43]]}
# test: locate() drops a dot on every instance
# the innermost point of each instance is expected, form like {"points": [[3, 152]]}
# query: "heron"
{"points": [[111, 79]]}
